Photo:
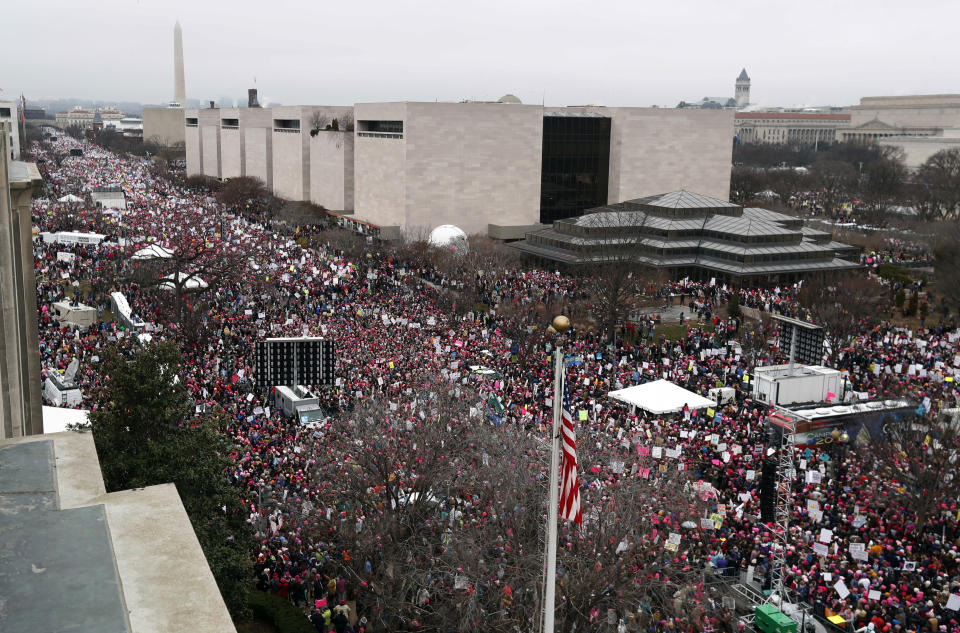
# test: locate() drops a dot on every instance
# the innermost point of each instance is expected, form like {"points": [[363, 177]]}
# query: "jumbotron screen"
{"points": [[294, 361]]}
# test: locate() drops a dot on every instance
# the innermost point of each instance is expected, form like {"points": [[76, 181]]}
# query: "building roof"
{"points": [[810, 116], [683, 229], [60, 563], [83, 559], [743, 75]]}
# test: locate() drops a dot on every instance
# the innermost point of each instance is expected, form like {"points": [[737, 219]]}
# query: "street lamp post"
{"points": [[560, 324]]}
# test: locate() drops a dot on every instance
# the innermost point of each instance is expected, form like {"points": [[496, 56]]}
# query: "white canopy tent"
{"points": [[70, 198], [56, 419], [187, 281], [154, 251], [659, 397]]}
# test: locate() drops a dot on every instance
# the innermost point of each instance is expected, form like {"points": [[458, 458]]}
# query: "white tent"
{"points": [[70, 198], [660, 396], [188, 282], [154, 251], [56, 419]]}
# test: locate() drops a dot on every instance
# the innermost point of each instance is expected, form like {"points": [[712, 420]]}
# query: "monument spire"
{"points": [[179, 88]]}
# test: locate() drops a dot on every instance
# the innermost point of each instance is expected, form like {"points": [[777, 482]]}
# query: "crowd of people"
{"points": [[394, 322]]}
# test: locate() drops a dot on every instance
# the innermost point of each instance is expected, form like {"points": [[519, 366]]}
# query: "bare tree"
{"points": [[199, 263], [884, 179], [449, 511], [318, 122], [840, 304], [940, 176], [918, 461], [837, 181], [239, 191], [746, 183], [946, 263], [618, 272]]}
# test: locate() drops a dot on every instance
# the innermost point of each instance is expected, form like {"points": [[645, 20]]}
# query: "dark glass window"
{"points": [[576, 165], [389, 127]]}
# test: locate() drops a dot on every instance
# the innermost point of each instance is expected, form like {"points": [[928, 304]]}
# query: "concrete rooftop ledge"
{"points": [[74, 558]]}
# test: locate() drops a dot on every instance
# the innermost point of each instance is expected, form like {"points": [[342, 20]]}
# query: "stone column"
{"points": [[20, 404]]}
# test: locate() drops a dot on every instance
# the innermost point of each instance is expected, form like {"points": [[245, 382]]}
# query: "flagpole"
{"points": [[561, 324]]}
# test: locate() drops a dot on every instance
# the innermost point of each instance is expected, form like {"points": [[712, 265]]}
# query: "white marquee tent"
{"points": [[70, 198], [660, 396]]}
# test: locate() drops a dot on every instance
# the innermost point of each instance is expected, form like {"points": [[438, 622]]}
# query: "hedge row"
{"points": [[284, 615]]}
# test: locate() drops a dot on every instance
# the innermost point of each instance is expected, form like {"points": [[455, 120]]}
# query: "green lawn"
{"points": [[674, 331]]}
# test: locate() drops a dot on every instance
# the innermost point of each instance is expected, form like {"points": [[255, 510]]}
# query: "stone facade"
{"points": [[661, 149], [164, 126], [20, 407], [331, 170], [231, 143], [470, 164], [192, 145], [292, 147], [210, 141]]}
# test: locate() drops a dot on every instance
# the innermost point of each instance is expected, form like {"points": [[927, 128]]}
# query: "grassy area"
{"points": [[674, 331]]}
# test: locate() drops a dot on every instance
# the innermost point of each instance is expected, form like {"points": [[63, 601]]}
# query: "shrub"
{"points": [[912, 305], [900, 298], [286, 617], [733, 306], [893, 273]]}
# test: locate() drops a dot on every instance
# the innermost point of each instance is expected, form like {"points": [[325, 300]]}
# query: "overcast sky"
{"points": [[610, 52]]}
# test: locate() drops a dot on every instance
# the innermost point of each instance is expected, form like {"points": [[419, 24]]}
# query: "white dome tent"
{"points": [[187, 281], [154, 251], [448, 236]]}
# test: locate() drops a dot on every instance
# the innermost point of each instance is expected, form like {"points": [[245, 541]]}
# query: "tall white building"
{"points": [[9, 114]]}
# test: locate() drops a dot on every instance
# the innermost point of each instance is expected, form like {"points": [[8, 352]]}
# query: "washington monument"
{"points": [[179, 90]]}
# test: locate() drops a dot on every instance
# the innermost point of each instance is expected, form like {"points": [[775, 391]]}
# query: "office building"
{"points": [[910, 115], [782, 127], [685, 234], [500, 168], [85, 118], [8, 115]]}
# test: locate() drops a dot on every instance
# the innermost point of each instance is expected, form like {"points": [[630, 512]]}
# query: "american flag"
{"points": [[569, 482]]}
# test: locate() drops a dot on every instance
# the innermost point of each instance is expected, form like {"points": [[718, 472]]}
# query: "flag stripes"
{"points": [[569, 482]]}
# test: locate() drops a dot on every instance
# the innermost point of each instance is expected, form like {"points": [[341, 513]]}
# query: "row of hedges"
{"points": [[894, 273], [286, 617]]}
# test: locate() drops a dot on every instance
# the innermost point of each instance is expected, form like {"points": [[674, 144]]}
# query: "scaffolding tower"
{"points": [[786, 473]]}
